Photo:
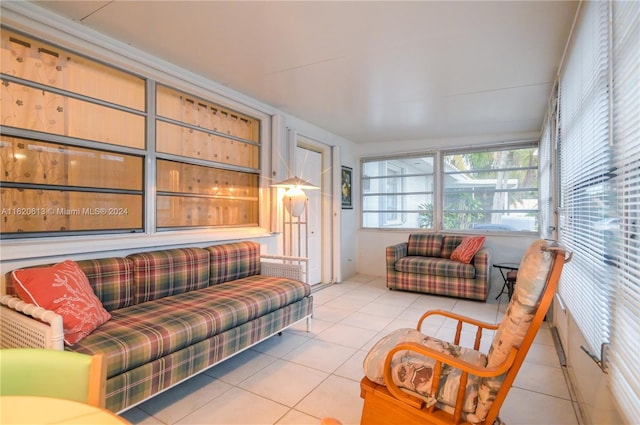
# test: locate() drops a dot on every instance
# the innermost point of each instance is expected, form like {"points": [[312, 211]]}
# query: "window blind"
{"points": [[625, 336], [585, 163]]}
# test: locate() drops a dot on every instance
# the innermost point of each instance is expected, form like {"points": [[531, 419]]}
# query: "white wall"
{"points": [[590, 384]]}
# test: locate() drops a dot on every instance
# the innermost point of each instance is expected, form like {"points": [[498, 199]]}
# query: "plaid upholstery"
{"points": [[449, 244], [234, 261], [143, 382], [111, 280], [160, 274], [435, 266], [438, 275], [425, 244], [148, 331], [189, 325]]}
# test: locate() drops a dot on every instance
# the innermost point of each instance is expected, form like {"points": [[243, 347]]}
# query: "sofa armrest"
{"points": [[482, 262], [396, 252], [482, 258], [284, 266], [25, 325]]}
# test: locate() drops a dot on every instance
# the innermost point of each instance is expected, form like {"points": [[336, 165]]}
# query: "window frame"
{"points": [[438, 193], [384, 164], [148, 151]]}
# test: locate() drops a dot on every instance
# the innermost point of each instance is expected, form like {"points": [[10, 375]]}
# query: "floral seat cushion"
{"points": [[413, 372]]}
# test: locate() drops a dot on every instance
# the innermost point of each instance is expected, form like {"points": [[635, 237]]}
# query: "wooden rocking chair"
{"points": [[411, 378]]}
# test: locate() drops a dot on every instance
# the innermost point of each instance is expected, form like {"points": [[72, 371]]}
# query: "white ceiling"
{"points": [[368, 71]]}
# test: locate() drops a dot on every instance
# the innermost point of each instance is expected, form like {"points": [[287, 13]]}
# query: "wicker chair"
{"points": [[411, 378], [53, 373]]}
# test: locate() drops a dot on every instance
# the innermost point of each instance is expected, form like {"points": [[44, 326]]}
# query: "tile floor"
{"points": [[300, 377]]}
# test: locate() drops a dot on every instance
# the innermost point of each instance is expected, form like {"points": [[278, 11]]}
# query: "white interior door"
{"points": [[308, 166]]}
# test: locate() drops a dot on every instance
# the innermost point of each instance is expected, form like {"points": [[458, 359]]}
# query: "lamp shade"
{"points": [[295, 182], [295, 200]]}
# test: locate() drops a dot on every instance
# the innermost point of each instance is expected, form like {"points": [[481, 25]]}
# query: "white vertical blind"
{"points": [[585, 163], [625, 335]]}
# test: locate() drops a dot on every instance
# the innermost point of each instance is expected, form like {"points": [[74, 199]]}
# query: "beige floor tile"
{"points": [[172, 405], [543, 354], [542, 379], [321, 355], [349, 336], [284, 382], [524, 407], [330, 313], [348, 302], [432, 302], [294, 417], [337, 398], [279, 345], [237, 407], [352, 368], [366, 321], [317, 326], [380, 308], [240, 367]]}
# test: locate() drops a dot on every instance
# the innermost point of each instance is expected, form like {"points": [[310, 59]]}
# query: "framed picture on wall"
{"points": [[347, 195]]}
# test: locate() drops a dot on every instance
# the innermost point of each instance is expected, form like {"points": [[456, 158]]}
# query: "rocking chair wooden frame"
{"points": [[388, 404]]}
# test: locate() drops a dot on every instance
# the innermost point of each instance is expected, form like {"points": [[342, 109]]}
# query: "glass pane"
{"points": [[35, 61], [198, 112], [223, 197], [395, 220], [34, 210], [178, 177], [182, 211], [183, 141], [35, 162], [40, 110], [492, 190], [414, 165]]}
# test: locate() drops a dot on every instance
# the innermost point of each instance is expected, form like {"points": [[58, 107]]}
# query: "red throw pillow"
{"points": [[65, 290], [467, 249]]}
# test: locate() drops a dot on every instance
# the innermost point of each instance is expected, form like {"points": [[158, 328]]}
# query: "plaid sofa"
{"points": [[175, 313], [422, 264]]}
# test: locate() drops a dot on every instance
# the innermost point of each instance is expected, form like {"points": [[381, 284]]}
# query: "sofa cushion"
{"points": [[233, 261], [160, 274], [144, 332], [425, 244], [467, 249], [64, 289], [436, 267], [111, 280], [413, 372]]}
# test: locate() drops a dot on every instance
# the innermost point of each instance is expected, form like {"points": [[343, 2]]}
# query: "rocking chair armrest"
{"points": [[459, 318], [440, 358]]}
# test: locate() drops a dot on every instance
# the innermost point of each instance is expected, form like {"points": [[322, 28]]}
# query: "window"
{"points": [[75, 144], [587, 199], [212, 179], [599, 197], [60, 175], [398, 192], [485, 190], [625, 335], [491, 189]]}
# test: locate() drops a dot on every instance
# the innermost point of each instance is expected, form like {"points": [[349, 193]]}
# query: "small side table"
{"points": [[509, 272]]}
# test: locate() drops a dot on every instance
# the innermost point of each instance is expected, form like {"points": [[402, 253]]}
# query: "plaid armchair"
{"points": [[424, 264]]}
